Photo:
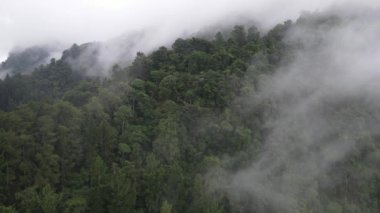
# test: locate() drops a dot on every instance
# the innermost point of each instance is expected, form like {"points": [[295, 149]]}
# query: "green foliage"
{"points": [[5, 209], [238, 35], [333, 207], [144, 139], [166, 207], [48, 199], [75, 205]]}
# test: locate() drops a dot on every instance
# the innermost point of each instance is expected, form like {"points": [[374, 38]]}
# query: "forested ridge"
{"points": [[145, 138]]}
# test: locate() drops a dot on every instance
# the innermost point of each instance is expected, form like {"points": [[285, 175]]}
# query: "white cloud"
{"points": [[29, 22], [324, 101]]}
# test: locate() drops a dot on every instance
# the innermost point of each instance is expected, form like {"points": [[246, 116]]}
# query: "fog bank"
{"points": [[32, 22], [324, 106]]}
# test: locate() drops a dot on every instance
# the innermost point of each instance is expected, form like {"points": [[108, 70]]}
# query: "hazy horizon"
{"points": [[26, 23]]}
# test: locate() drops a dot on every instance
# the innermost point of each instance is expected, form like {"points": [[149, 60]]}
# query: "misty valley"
{"points": [[236, 119]]}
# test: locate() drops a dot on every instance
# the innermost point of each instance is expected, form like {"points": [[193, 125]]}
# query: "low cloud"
{"points": [[32, 22], [325, 105]]}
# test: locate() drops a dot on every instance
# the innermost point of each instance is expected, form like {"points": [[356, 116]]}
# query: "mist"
{"points": [[277, 113], [27, 23], [316, 120]]}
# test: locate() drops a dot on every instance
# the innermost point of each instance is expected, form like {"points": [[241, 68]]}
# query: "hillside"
{"points": [[180, 128]]}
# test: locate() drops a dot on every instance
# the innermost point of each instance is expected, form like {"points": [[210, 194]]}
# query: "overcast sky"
{"points": [[30, 22]]}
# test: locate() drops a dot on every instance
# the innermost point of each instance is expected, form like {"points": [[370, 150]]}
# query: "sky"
{"points": [[32, 22]]}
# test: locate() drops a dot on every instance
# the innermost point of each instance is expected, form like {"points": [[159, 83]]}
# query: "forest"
{"points": [[155, 136]]}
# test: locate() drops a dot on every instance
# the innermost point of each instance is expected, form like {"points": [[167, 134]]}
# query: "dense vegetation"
{"points": [[24, 61], [143, 139]]}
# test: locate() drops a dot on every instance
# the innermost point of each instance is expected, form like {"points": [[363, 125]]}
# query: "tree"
{"points": [[98, 172], [253, 34], [75, 205], [140, 66], [123, 189], [238, 35], [49, 200], [7, 209], [166, 145], [166, 207], [219, 39]]}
